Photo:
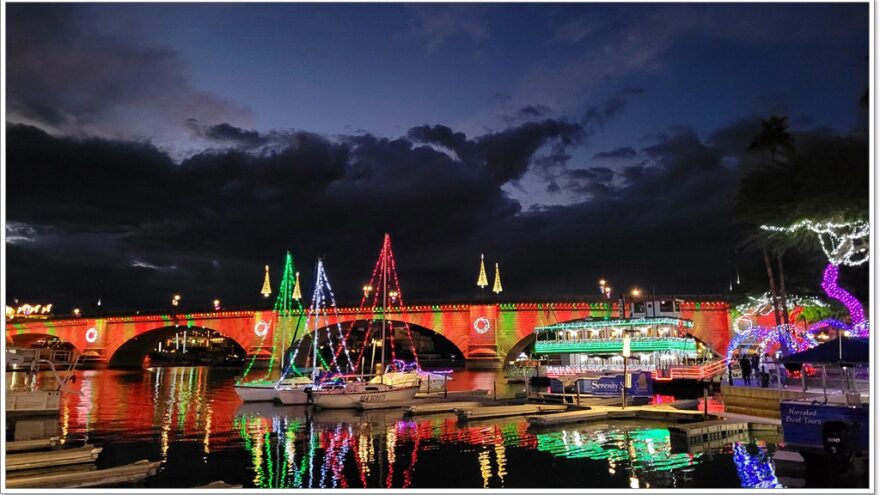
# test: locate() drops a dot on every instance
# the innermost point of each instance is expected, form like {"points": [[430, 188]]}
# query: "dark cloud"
{"points": [[504, 155], [227, 134], [72, 80], [532, 111], [125, 221], [616, 153]]}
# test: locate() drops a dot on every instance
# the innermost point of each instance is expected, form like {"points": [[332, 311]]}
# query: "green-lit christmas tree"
{"points": [[288, 319]]}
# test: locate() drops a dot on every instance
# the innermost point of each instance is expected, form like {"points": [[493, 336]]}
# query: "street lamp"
{"points": [[175, 301], [393, 295], [627, 352], [76, 312], [216, 304], [367, 289], [636, 292]]}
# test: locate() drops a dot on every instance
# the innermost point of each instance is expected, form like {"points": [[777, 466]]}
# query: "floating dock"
{"points": [[31, 445], [366, 406], [44, 459], [441, 407], [596, 413], [130, 473], [684, 435], [452, 393], [502, 411]]}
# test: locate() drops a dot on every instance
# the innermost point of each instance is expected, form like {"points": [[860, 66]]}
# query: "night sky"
{"points": [[155, 149]]}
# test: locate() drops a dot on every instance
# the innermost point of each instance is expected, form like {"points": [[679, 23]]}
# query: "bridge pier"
{"points": [[483, 364]]}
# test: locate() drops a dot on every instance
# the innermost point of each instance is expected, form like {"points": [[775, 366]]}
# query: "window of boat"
{"points": [[372, 389]]}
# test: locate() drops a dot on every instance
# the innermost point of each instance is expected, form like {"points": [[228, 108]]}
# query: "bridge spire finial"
{"points": [[482, 280], [267, 287], [496, 288]]}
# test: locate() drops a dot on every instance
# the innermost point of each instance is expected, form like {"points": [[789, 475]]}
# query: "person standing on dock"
{"points": [[756, 367], [730, 373], [746, 367]]}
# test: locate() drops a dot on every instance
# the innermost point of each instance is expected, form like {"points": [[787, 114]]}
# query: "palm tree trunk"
{"points": [[773, 294], [782, 295]]}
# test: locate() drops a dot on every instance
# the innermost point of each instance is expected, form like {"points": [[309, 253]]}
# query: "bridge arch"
{"points": [[518, 348], [421, 333], [132, 352], [29, 339]]}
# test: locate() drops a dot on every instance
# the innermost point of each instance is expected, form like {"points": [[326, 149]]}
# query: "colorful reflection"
{"points": [[754, 466], [191, 419], [637, 450]]}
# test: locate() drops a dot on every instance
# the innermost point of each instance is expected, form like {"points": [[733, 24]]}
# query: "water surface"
{"points": [[191, 419]]}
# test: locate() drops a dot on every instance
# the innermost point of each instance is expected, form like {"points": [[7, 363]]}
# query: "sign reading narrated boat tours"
{"points": [[641, 385], [827, 427]]}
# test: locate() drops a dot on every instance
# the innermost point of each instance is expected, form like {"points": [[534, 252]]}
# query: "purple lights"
{"points": [[834, 291]]}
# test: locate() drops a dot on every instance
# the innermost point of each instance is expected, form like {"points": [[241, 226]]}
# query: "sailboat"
{"points": [[265, 389], [297, 391], [334, 395]]}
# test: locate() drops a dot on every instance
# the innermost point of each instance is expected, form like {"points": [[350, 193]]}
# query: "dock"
{"points": [[367, 406], [31, 445], [684, 435], [597, 413], [452, 393], [104, 477], [43, 459], [441, 407], [502, 411]]}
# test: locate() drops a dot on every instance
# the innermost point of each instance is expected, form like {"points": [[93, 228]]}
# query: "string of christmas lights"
{"points": [[834, 291], [843, 243], [324, 284], [400, 303], [286, 310], [763, 305], [385, 277], [788, 338], [363, 305]]}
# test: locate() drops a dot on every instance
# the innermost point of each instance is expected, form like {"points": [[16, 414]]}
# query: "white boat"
{"points": [[294, 391], [265, 390], [348, 396], [427, 381]]}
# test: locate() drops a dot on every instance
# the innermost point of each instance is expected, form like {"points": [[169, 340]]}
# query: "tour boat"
{"points": [[347, 396], [295, 391], [657, 340]]}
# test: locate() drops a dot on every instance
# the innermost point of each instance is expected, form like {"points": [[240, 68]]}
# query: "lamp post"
{"points": [[626, 354]]}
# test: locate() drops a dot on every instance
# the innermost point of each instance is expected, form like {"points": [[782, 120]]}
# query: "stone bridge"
{"points": [[486, 335]]}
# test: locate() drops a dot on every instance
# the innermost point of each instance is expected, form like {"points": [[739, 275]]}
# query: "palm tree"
{"points": [[773, 137], [824, 178]]}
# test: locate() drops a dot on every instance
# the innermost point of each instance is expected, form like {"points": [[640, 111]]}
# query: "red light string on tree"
{"points": [[379, 282], [363, 305], [400, 303]]}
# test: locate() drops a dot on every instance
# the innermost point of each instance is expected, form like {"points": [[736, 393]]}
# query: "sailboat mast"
{"points": [[314, 352], [384, 298]]}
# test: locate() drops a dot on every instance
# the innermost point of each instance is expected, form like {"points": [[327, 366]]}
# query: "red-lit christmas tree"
{"points": [[383, 295]]}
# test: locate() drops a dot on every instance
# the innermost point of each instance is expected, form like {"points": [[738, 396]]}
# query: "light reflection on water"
{"points": [[191, 419]]}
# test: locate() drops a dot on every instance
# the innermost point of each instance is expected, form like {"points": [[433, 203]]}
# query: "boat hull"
{"points": [[256, 393], [293, 396], [349, 400]]}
